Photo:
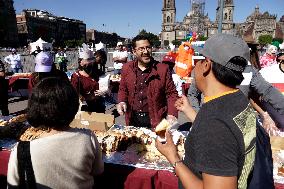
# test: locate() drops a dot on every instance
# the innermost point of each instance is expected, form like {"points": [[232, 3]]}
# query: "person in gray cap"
{"points": [[220, 148]]}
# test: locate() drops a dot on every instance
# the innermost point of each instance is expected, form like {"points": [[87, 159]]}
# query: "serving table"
{"points": [[116, 176], [18, 81]]}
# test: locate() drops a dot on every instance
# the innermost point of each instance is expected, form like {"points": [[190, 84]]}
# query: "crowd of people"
{"points": [[218, 104]]}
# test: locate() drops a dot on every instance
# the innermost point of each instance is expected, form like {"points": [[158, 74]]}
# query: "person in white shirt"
{"points": [[272, 73], [119, 58], [14, 60]]}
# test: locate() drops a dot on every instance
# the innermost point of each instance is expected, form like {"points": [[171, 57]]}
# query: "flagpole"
{"points": [[220, 16]]}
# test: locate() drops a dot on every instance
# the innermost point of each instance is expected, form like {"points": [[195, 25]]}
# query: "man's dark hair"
{"points": [[227, 76], [102, 54], [139, 38], [52, 104], [278, 56]]}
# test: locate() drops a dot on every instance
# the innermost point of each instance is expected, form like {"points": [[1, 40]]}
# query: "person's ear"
{"points": [[206, 67]]}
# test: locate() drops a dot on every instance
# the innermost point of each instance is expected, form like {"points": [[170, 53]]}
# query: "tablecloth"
{"points": [[4, 158], [279, 86], [18, 82], [120, 176]]}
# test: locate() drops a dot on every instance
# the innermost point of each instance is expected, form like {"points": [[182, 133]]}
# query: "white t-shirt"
{"points": [[14, 60], [68, 159], [120, 55], [178, 83], [272, 74]]}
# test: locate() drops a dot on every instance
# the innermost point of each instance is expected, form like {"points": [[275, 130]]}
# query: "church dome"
{"points": [[254, 14], [189, 13]]}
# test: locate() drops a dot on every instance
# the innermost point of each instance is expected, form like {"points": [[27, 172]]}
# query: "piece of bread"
{"points": [[162, 127], [19, 118], [3, 122]]}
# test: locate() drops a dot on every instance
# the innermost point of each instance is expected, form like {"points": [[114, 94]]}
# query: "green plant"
{"points": [[153, 38], [265, 39]]}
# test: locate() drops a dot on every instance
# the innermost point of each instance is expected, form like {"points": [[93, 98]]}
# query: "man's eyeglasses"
{"points": [[142, 49]]}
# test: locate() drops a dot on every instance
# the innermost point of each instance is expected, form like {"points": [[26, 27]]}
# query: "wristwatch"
{"points": [[175, 164]]}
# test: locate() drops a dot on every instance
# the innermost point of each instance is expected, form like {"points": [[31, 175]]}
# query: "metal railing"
{"points": [[28, 61]]}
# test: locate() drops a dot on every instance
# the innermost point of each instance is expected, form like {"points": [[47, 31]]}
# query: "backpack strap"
{"points": [[261, 177], [25, 167]]}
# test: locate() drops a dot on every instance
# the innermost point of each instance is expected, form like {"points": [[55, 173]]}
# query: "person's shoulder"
{"points": [[160, 66], [128, 65], [77, 134], [75, 74], [81, 131]]}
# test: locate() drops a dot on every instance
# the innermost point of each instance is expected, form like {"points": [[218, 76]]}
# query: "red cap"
{"points": [[169, 58]]}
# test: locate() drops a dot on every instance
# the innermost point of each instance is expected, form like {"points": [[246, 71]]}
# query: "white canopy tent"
{"points": [[43, 45], [99, 46]]}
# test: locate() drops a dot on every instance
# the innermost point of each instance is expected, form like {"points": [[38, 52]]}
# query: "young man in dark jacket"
{"points": [[147, 92]]}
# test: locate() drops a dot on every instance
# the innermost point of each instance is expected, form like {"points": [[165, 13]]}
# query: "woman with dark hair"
{"points": [[63, 157], [86, 82]]}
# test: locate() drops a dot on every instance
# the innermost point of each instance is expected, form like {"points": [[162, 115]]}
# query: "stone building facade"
{"points": [[194, 21], [258, 24], [228, 25], [255, 25], [33, 24], [8, 24]]}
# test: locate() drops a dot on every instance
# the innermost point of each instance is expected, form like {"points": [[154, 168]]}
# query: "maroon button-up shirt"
{"points": [[161, 91], [140, 97]]}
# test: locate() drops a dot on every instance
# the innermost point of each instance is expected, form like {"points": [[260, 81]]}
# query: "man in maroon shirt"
{"points": [[146, 93]]}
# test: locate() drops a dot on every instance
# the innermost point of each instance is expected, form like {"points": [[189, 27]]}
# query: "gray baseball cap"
{"points": [[221, 48]]}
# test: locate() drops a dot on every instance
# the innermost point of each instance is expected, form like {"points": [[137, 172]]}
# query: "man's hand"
{"points": [[169, 149], [121, 108], [171, 119], [101, 92], [182, 104]]}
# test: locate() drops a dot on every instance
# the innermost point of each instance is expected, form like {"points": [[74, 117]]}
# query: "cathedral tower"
{"points": [[228, 13], [168, 21], [169, 15]]}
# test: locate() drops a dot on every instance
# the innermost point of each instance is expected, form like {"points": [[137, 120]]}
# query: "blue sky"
{"points": [[127, 17]]}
